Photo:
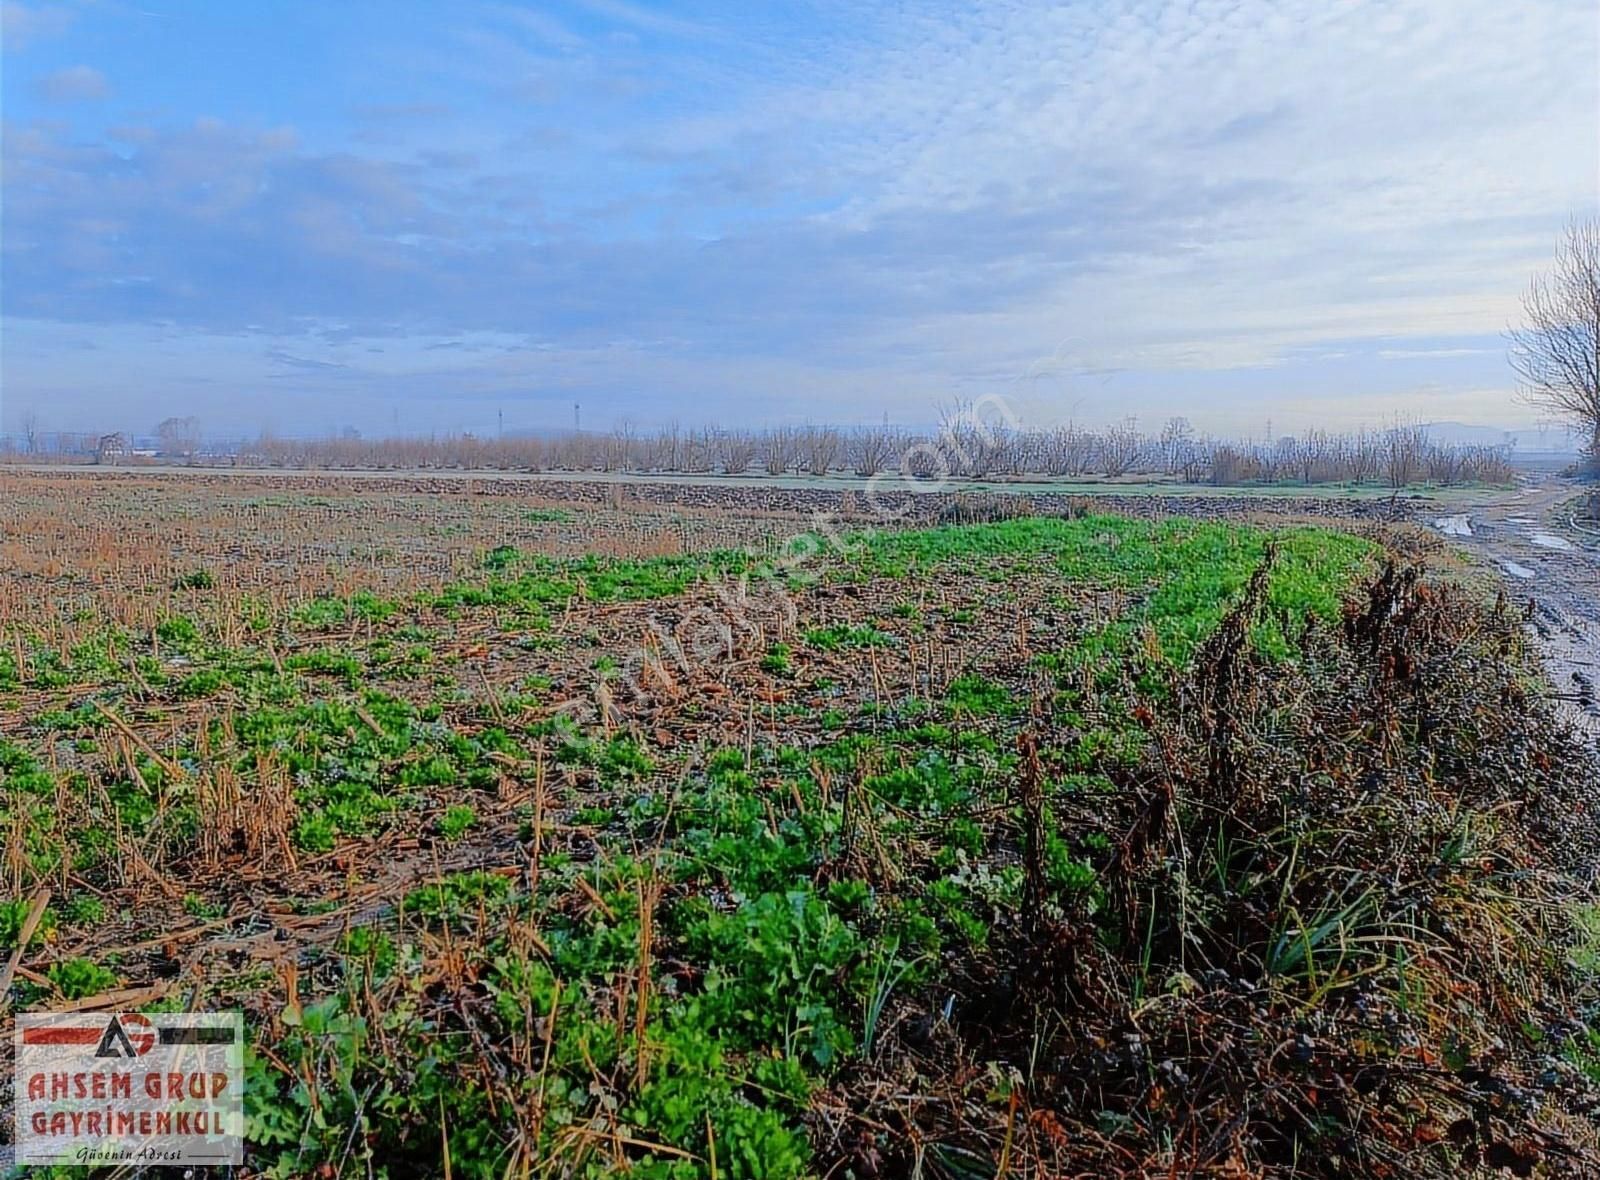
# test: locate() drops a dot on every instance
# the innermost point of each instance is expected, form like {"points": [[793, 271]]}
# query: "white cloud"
{"points": [[1403, 167], [23, 24], [645, 19], [74, 84], [1423, 354]]}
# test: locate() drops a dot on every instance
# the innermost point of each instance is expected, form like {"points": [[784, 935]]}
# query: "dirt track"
{"points": [[1531, 538]]}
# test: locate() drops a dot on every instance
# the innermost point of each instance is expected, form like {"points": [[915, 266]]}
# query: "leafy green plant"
{"points": [[198, 907], [316, 833], [178, 630], [457, 895], [500, 558], [783, 969], [457, 821], [78, 978], [846, 635], [14, 912], [979, 697], [82, 909]]}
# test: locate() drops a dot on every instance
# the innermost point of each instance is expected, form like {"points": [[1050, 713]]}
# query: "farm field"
{"points": [[553, 840]]}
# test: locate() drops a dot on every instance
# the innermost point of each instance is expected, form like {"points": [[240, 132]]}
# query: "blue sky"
{"points": [[300, 216]]}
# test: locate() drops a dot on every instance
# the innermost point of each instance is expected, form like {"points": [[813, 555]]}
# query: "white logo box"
{"points": [[129, 1087]]}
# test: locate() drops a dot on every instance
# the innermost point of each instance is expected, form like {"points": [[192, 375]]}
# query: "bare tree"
{"points": [[617, 448], [1277, 459], [179, 437], [1405, 449], [1362, 457], [1066, 450], [872, 449], [1177, 444], [821, 445], [738, 451], [1556, 354], [1121, 448], [30, 432], [783, 445], [623, 440], [1445, 466], [925, 458], [1314, 457], [1196, 465], [974, 446], [699, 450], [666, 448], [1013, 449]]}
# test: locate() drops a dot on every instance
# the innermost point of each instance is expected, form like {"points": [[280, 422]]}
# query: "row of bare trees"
{"points": [[1396, 457], [176, 439], [966, 445]]}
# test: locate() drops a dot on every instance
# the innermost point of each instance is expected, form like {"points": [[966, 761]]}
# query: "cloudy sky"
{"points": [[411, 216]]}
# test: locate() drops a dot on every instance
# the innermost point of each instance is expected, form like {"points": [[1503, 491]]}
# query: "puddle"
{"points": [[1550, 541], [1454, 526], [1517, 571]]}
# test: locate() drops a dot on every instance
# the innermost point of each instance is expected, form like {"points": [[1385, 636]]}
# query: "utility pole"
{"points": [[575, 427]]}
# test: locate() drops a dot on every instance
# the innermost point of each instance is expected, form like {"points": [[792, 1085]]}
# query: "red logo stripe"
{"points": [[61, 1036]]}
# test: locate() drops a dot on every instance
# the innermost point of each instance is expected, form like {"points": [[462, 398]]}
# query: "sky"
{"points": [[409, 217]]}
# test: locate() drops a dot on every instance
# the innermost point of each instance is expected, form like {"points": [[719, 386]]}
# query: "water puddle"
{"points": [[1454, 526]]}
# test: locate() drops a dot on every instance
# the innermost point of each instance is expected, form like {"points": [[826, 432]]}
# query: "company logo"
{"points": [[129, 1088]]}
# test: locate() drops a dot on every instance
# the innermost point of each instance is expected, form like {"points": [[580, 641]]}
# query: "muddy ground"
{"points": [[1550, 560]]}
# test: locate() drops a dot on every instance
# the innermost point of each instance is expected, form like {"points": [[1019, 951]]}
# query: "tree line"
{"points": [[1394, 457], [961, 449]]}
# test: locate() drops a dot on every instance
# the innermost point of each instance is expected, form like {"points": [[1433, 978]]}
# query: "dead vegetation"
{"points": [[1348, 932]]}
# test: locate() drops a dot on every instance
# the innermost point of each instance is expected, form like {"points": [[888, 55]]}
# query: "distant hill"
{"points": [[1526, 439]]}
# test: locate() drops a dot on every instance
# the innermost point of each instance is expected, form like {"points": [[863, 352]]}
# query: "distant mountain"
{"points": [[1526, 439]]}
